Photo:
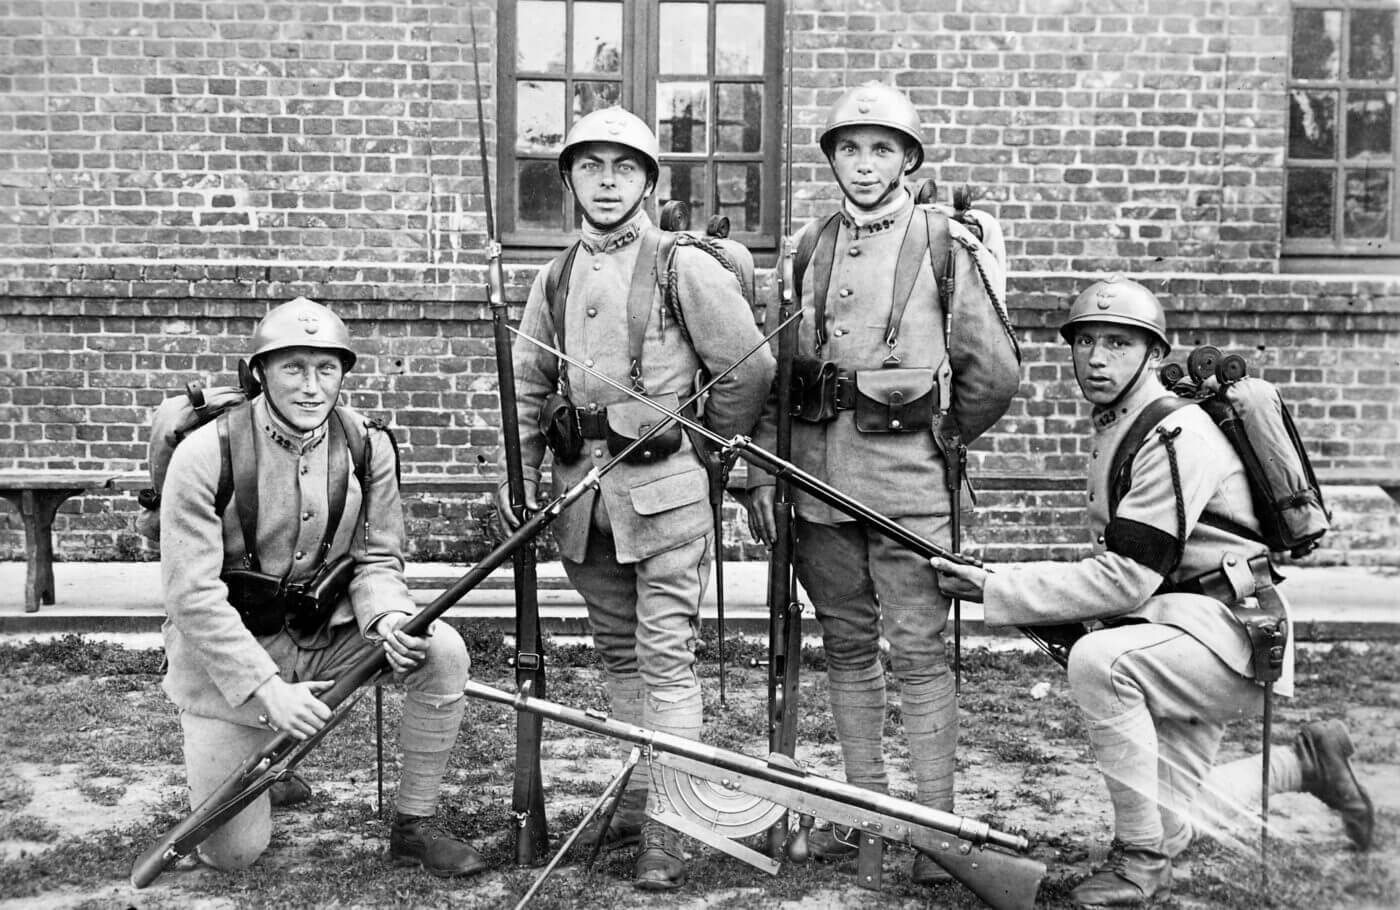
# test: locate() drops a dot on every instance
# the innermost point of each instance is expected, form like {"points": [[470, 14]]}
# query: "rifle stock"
{"points": [[251, 778], [987, 861]]}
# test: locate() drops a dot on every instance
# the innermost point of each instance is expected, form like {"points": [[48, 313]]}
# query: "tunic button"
{"points": [[1230, 560], [597, 266], [305, 468], [1095, 454], [306, 516], [597, 453], [588, 363], [1100, 539], [855, 251], [845, 292], [592, 311], [300, 555], [593, 407], [1091, 497]]}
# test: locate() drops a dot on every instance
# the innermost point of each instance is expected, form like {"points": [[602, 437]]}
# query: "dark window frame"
{"points": [[638, 76], [1310, 253]]}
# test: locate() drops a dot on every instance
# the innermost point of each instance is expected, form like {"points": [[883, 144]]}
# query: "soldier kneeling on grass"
{"points": [[1169, 662], [282, 540]]}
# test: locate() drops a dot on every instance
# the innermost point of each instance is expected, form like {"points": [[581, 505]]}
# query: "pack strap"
{"points": [[639, 296], [243, 458], [1120, 478], [818, 248], [337, 479], [556, 294]]}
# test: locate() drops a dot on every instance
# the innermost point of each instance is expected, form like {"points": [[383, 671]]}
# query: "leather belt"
{"points": [[845, 390], [1217, 584], [592, 422]]}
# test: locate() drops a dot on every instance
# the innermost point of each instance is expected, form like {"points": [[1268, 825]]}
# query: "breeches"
{"points": [[645, 616], [214, 748], [859, 580]]}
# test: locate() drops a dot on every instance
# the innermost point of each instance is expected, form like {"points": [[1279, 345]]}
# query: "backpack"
{"points": [[1255, 419], [178, 416]]}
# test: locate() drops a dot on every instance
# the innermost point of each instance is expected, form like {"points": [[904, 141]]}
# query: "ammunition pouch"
{"points": [[559, 424], [900, 400], [628, 421], [267, 603], [1265, 624], [812, 395]]}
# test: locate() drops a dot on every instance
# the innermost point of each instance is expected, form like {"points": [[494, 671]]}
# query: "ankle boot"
{"points": [[421, 841], [292, 790], [833, 843], [926, 871], [1323, 749], [624, 830], [660, 863], [1131, 876]]}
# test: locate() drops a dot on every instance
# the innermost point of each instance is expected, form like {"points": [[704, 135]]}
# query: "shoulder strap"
{"points": [[338, 453], [238, 443], [556, 288], [940, 256], [931, 233], [819, 248], [639, 294], [1120, 468]]}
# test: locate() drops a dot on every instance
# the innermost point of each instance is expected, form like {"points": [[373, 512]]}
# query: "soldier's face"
{"points": [[1108, 358], [303, 384], [869, 163], [609, 181]]}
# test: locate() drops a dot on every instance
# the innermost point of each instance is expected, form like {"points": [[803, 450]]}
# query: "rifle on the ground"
{"points": [[275, 760], [717, 796], [1052, 643], [527, 799]]}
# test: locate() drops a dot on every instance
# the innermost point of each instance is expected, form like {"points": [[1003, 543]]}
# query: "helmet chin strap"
{"points": [[272, 405], [651, 185], [890, 188]]}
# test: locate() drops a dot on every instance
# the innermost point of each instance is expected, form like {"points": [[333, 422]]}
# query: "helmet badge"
{"points": [[615, 125], [310, 323]]}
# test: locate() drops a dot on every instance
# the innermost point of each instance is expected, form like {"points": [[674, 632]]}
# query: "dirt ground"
{"points": [[1022, 778]]}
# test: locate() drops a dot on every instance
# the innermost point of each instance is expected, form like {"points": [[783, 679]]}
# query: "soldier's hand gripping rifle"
{"points": [[277, 758], [716, 796], [527, 798], [1053, 645]]}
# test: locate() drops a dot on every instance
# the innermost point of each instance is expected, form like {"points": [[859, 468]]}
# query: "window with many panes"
{"points": [[1341, 184], [704, 74]]}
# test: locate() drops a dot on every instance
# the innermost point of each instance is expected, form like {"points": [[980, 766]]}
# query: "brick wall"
{"points": [[168, 170]]}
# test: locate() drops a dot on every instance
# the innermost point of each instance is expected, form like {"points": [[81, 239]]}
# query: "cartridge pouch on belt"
{"points": [[628, 421], [1246, 586], [268, 603], [890, 400], [560, 427]]}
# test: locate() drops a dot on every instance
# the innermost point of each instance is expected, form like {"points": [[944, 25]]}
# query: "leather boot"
{"points": [[660, 863], [292, 790], [624, 830], [833, 843], [1131, 876], [1323, 748], [418, 841]]}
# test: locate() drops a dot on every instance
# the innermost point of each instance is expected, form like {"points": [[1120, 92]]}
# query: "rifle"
{"points": [[718, 795], [275, 760], [527, 800], [784, 609], [1056, 640]]}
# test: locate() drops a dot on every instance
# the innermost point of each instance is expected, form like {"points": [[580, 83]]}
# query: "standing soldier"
{"points": [[1180, 567], [639, 548], [904, 352], [280, 558]]}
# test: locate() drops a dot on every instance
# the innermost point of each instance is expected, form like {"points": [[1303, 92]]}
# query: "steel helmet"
{"points": [[1118, 300], [302, 323], [615, 125], [875, 104]]}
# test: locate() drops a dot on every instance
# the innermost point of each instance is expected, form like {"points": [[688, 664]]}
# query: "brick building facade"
{"points": [[169, 170]]}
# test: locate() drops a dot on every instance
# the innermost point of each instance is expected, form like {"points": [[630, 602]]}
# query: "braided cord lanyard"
{"points": [[1168, 437]]}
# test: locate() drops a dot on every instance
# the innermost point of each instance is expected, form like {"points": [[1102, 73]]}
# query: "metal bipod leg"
{"points": [[610, 800]]}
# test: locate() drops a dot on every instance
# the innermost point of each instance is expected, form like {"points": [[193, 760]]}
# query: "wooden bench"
{"points": [[37, 495]]}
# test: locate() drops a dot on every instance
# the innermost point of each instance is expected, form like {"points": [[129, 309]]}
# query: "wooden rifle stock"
{"points": [[987, 861], [263, 768], [1056, 640], [527, 799]]}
